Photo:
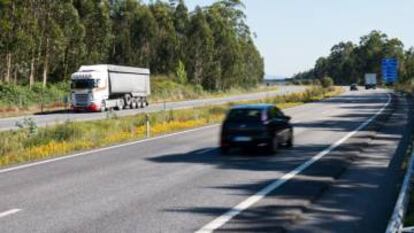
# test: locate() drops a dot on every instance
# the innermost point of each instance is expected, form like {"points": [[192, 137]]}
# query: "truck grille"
{"points": [[82, 99]]}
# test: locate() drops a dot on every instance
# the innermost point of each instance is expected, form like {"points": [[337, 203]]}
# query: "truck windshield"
{"points": [[84, 83]]}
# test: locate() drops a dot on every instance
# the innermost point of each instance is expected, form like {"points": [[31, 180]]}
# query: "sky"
{"points": [[293, 34]]}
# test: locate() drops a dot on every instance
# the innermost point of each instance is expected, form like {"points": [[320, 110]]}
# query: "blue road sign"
{"points": [[389, 70]]}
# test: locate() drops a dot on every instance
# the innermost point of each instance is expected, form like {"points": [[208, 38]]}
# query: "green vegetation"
{"points": [[32, 143], [327, 82], [46, 41], [13, 97], [348, 62]]}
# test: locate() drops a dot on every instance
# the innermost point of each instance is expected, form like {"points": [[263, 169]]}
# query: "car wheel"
{"points": [[274, 144], [289, 143]]}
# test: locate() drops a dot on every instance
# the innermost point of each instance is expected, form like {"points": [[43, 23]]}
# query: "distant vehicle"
{"points": [[256, 125], [370, 81], [353, 87], [102, 87]]}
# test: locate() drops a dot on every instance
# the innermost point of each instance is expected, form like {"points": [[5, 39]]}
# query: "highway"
{"points": [[342, 175], [62, 117]]}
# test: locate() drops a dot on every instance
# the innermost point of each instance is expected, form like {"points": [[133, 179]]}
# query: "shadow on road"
{"points": [[284, 207]]}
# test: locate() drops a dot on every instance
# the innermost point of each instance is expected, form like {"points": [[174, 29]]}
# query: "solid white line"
{"points": [[9, 212], [105, 149], [233, 212]]}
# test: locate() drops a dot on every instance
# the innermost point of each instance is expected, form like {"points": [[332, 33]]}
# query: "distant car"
{"points": [[353, 87], [256, 125]]}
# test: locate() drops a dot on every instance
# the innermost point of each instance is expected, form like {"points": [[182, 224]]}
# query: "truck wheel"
{"points": [[103, 107], [141, 103], [120, 105], [134, 103], [128, 100]]}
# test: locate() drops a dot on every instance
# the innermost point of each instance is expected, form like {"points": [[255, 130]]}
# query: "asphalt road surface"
{"points": [[61, 117], [341, 176]]}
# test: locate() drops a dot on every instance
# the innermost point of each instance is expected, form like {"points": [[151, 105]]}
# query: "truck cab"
{"points": [[89, 89]]}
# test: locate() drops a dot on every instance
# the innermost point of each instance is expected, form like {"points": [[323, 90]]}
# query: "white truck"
{"points": [[103, 87], [370, 81]]}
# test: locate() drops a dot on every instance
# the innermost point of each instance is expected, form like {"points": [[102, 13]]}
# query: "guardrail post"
{"points": [[148, 126]]}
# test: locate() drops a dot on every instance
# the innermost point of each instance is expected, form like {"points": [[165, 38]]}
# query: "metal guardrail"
{"points": [[396, 223]]}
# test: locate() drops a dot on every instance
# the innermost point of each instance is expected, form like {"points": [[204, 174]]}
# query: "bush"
{"points": [[327, 82], [22, 97]]}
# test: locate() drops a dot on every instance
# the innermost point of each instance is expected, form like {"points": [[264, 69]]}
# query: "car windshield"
{"points": [[245, 115], [83, 83]]}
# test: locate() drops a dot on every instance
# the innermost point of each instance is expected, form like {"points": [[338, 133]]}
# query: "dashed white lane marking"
{"points": [[236, 210], [9, 212]]}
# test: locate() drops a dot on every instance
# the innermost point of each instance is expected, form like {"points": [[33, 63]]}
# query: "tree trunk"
{"points": [[15, 77], [46, 63], [32, 72], [66, 64], [9, 67]]}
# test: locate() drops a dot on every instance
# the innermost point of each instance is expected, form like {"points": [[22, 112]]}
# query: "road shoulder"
{"points": [[374, 176]]}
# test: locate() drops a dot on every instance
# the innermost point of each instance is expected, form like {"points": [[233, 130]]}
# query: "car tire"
{"points": [[274, 145], [289, 143]]}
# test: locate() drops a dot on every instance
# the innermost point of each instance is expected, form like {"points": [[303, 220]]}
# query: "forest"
{"points": [[43, 41], [348, 62]]}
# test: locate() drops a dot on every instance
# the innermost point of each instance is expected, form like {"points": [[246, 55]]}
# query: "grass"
{"points": [[165, 89], [20, 100], [31, 143]]}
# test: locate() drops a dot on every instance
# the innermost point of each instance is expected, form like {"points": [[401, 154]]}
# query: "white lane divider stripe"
{"points": [[223, 219], [9, 212]]}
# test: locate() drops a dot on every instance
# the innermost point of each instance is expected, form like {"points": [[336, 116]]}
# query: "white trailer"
{"points": [[370, 81], [102, 87]]}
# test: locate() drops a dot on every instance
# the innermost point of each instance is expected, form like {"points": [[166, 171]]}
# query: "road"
{"points": [[61, 117], [342, 175]]}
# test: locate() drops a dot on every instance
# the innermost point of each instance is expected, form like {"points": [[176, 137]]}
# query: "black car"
{"points": [[256, 125], [353, 87]]}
